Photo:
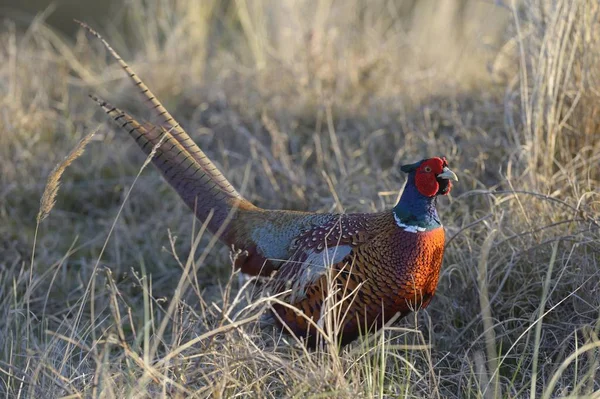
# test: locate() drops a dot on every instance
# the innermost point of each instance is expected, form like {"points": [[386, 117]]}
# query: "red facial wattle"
{"points": [[426, 178], [426, 183]]}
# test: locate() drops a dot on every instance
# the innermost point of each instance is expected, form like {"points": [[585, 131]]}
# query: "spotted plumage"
{"points": [[359, 269], [385, 270]]}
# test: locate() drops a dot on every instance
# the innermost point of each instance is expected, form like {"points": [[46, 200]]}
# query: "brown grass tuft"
{"points": [[48, 199]]}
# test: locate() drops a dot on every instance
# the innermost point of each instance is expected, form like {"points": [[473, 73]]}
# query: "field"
{"points": [[115, 291]]}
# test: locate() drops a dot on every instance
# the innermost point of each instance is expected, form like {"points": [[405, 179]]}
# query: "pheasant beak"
{"points": [[447, 174]]}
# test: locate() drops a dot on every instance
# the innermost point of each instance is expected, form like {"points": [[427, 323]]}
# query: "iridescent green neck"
{"points": [[416, 212]]}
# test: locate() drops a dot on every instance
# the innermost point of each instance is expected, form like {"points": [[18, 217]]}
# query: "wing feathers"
{"points": [[314, 267], [317, 250]]}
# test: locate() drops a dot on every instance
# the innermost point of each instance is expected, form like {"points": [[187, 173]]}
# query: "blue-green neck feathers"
{"points": [[416, 212]]}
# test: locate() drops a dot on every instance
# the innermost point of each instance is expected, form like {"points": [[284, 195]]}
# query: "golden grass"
{"points": [[321, 102], [48, 199]]}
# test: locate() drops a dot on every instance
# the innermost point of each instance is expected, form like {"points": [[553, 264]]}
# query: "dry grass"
{"points": [[321, 101]]}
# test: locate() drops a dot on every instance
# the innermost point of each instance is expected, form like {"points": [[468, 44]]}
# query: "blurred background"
{"points": [[430, 30], [60, 14]]}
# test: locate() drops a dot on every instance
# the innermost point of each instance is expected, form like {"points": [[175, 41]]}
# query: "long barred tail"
{"points": [[201, 186], [166, 119], [191, 173]]}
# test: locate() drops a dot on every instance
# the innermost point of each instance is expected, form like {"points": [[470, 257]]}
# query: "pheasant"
{"points": [[373, 265]]}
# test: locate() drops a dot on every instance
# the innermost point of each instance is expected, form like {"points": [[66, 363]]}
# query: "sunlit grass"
{"points": [[321, 102]]}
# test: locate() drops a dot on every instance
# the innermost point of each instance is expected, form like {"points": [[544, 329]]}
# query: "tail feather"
{"points": [[199, 186], [166, 119]]}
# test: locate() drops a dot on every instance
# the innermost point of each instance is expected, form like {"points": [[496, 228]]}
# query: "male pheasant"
{"points": [[373, 265]]}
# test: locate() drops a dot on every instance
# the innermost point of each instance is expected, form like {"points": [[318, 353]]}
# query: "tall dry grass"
{"points": [[320, 101]]}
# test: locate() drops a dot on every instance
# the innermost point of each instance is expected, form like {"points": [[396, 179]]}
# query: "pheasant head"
{"points": [[427, 179]]}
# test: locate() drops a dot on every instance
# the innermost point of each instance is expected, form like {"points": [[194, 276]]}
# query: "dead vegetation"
{"points": [[321, 102]]}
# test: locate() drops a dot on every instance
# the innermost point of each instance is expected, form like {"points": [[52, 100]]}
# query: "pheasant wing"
{"points": [[317, 250]]}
